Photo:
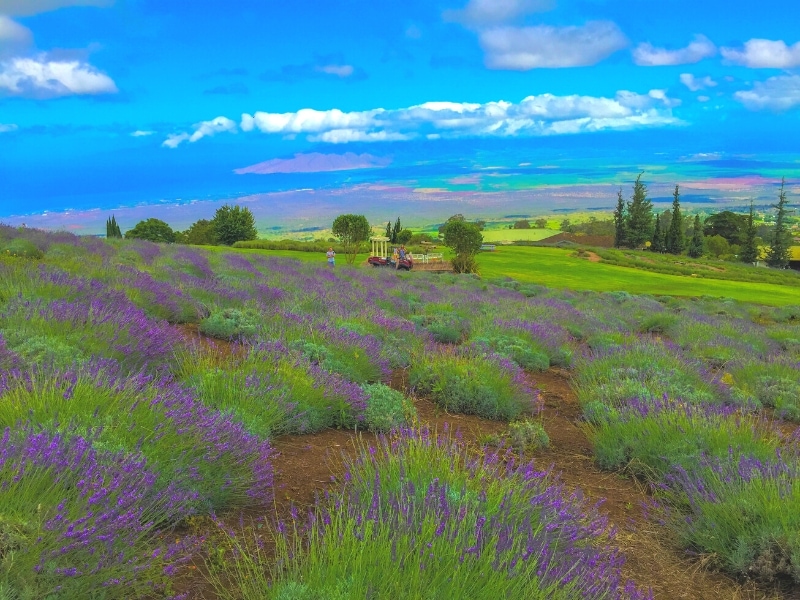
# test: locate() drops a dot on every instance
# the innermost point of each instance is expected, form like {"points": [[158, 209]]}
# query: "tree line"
{"points": [[230, 224], [637, 226]]}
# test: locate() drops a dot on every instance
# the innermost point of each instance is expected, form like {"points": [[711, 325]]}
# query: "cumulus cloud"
{"points": [[5, 128], [338, 70], [25, 8], [40, 77], [764, 54], [647, 55], [141, 133], [544, 114], [695, 84], [201, 130], [776, 94], [542, 46], [493, 12]]}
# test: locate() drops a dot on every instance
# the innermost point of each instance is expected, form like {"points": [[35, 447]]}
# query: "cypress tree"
{"points": [[396, 230], [749, 251], [112, 229], [389, 230], [619, 222], [109, 229], [674, 237], [697, 245], [640, 215], [658, 237], [778, 252]]}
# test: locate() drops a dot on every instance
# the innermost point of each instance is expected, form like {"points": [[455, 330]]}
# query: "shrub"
{"points": [[50, 352], [229, 324], [527, 435], [526, 356], [493, 388], [21, 248], [445, 328], [386, 408]]}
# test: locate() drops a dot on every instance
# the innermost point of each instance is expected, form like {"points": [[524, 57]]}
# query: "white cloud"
{"points": [[25, 8], [338, 70], [647, 55], [493, 12], [201, 130], [141, 133], [13, 35], [542, 46], [544, 114], [695, 84], [764, 54], [703, 98], [776, 94], [42, 78], [5, 128]]}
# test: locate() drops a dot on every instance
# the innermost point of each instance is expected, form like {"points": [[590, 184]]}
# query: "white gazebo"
{"points": [[380, 246]]}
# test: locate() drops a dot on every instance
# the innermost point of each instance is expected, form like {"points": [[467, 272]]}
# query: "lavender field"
{"points": [[143, 388]]}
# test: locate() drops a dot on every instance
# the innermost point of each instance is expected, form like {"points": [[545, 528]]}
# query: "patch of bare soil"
{"points": [[706, 267], [651, 559]]}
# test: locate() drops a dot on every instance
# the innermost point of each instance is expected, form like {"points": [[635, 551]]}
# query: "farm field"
{"points": [[186, 423], [530, 235]]}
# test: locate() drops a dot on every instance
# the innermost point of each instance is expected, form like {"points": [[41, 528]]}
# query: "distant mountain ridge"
{"points": [[316, 162]]}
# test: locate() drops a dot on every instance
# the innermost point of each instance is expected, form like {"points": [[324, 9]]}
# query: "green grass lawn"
{"points": [[513, 235], [554, 267]]}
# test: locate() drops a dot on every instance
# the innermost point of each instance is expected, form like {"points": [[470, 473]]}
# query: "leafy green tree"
{"points": [[566, 226], [465, 239], [201, 233], [351, 230], [779, 251], [541, 223], [697, 245], [620, 220], [658, 244], [673, 241], [640, 215], [522, 224], [730, 225], [233, 224], [112, 229], [404, 236], [153, 230], [717, 245], [456, 217], [749, 253]]}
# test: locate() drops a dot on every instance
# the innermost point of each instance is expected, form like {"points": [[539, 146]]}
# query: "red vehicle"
{"points": [[380, 257]]}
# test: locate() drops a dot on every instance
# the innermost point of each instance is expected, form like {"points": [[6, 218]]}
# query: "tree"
{"points": [[697, 245], [749, 253], [404, 236], [620, 218], [351, 230], [389, 231], [717, 245], [112, 229], [201, 233], [522, 224], [153, 230], [541, 223], [674, 238], [779, 251], [730, 225], [456, 217], [233, 224], [395, 231], [640, 215], [658, 244], [565, 225], [465, 239]]}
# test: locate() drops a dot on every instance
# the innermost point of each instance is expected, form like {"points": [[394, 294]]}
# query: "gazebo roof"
{"points": [[379, 238]]}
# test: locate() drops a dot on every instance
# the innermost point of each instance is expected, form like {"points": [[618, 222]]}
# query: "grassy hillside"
{"points": [[558, 268]]}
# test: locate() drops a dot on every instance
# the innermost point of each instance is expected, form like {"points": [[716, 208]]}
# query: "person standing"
{"points": [[331, 258]]}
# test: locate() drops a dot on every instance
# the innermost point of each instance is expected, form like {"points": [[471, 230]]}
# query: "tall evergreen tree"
{"points": [[640, 215], [749, 251], [112, 229], [619, 222], [657, 244], [674, 237], [778, 253], [697, 245], [395, 230], [389, 231]]}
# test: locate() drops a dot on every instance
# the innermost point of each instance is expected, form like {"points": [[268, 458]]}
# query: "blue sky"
{"points": [[166, 91]]}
